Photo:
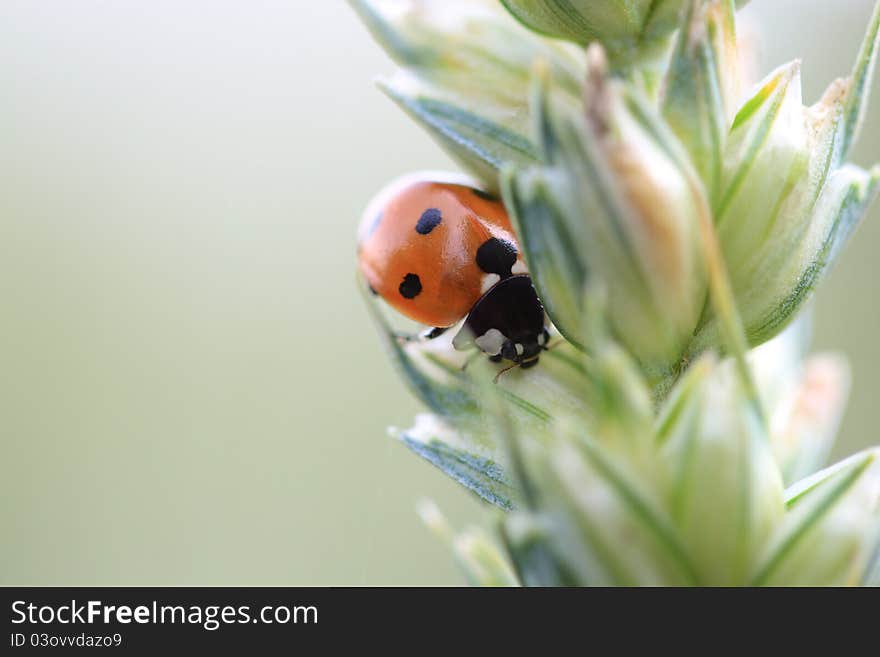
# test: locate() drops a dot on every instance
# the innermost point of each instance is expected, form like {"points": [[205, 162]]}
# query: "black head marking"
{"points": [[429, 220], [511, 307], [508, 351], [410, 287], [497, 256], [486, 196]]}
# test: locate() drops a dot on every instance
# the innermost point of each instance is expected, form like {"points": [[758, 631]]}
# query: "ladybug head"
{"points": [[507, 323]]}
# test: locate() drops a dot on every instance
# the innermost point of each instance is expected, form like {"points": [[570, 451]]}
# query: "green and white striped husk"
{"points": [[669, 227]]}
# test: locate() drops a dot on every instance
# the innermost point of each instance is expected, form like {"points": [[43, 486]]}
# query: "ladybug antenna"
{"points": [[505, 370]]}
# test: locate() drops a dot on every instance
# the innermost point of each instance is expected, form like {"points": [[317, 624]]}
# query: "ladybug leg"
{"points": [[404, 338], [430, 334], [435, 332], [497, 358]]}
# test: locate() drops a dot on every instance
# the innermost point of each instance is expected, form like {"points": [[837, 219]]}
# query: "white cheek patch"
{"points": [[488, 281], [519, 267], [491, 341]]}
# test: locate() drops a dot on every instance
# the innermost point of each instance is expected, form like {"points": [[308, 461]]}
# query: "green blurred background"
{"points": [[191, 390]]}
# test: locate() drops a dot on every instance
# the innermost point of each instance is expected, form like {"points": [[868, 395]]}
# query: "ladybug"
{"points": [[440, 252]]}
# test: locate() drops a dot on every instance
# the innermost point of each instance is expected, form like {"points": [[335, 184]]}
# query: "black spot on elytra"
{"points": [[496, 256], [486, 196], [429, 220], [410, 287]]}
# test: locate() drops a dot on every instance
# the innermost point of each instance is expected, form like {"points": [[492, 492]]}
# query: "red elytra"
{"points": [[420, 250]]}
